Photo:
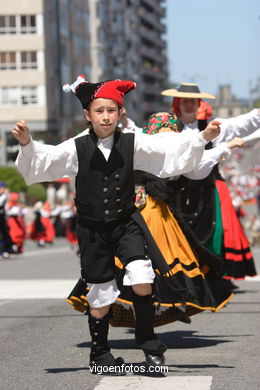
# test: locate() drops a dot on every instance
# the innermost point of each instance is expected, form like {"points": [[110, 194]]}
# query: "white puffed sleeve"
{"points": [[239, 126], [168, 154], [38, 162], [209, 159]]}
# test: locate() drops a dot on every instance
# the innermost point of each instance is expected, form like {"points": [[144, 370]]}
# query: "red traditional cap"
{"points": [[110, 89]]}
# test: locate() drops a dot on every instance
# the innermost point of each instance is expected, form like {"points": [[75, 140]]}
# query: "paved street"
{"points": [[45, 343]]}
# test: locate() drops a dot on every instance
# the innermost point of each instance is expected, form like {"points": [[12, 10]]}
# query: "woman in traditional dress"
{"points": [[206, 204]]}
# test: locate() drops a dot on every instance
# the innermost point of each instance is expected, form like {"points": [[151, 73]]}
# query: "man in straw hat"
{"points": [[206, 204], [102, 159]]}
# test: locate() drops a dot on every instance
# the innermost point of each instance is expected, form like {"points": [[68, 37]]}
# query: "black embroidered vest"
{"points": [[104, 189]]}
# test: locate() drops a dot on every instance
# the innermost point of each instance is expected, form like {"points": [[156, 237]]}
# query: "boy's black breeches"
{"points": [[100, 244]]}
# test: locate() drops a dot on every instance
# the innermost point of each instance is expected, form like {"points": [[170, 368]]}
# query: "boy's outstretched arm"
{"points": [[21, 132], [39, 162]]}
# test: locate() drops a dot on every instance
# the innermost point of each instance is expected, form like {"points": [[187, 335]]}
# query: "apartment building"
{"points": [[47, 43], [153, 60], [43, 45], [128, 41]]}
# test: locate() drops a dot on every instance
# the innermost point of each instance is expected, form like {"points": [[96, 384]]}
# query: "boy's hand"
{"points": [[211, 131], [21, 133], [236, 143]]}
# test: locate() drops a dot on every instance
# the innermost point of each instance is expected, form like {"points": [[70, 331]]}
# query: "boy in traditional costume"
{"points": [[103, 159]]}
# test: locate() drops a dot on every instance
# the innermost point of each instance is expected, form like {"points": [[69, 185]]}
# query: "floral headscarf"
{"points": [[160, 121]]}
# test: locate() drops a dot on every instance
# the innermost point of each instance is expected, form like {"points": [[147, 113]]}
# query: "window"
{"points": [[101, 60], [17, 96], [9, 96], [18, 60], [8, 60], [17, 24], [28, 60], [28, 95], [101, 35], [28, 24], [7, 24]]}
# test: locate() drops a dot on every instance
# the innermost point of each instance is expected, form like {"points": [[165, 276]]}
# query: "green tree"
{"points": [[35, 192], [13, 179], [257, 103]]}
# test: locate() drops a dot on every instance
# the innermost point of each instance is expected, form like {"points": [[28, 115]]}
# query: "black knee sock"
{"points": [[144, 330], [144, 316]]}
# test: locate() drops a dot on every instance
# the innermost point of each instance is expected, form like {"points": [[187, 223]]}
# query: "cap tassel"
{"points": [[72, 87]]}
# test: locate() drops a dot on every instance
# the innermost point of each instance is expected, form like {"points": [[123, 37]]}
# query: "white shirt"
{"points": [[3, 199], [163, 154], [239, 126]]}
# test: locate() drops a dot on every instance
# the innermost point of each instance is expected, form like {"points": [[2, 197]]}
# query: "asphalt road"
{"points": [[44, 343]]}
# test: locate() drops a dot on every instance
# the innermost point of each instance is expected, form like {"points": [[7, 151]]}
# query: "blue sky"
{"points": [[213, 42]]}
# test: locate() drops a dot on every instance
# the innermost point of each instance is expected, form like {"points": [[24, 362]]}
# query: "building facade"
{"points": [[47, 43], [43, 45]]}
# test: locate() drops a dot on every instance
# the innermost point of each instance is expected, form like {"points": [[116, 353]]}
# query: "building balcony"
{"points": [[156, 5], [152, 89], [152, 19], [154, 72], [152, 35], [153, 54]]}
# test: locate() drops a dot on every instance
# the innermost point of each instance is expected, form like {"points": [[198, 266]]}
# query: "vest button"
{"points": [[117, 188], [117, 176], [105, 201], [105, 189], [118, 200], [119, 211], [106, 212], [105, 178]]}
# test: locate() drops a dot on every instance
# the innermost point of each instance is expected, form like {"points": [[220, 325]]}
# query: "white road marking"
{"points": [[5, 302], [36, 288], [153, 383], [43, 251], [252, 278]]}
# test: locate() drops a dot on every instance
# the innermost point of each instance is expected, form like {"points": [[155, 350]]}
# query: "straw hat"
{"points": [[188, 90]]}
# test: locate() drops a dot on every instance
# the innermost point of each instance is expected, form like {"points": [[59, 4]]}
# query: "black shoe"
{"points": [[233, 286], [107, 365], [155, 357], [230, 284], [179, 315], [155, 360]]}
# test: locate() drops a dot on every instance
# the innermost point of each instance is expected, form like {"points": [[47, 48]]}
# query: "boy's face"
{"points": [[104, 115]]}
